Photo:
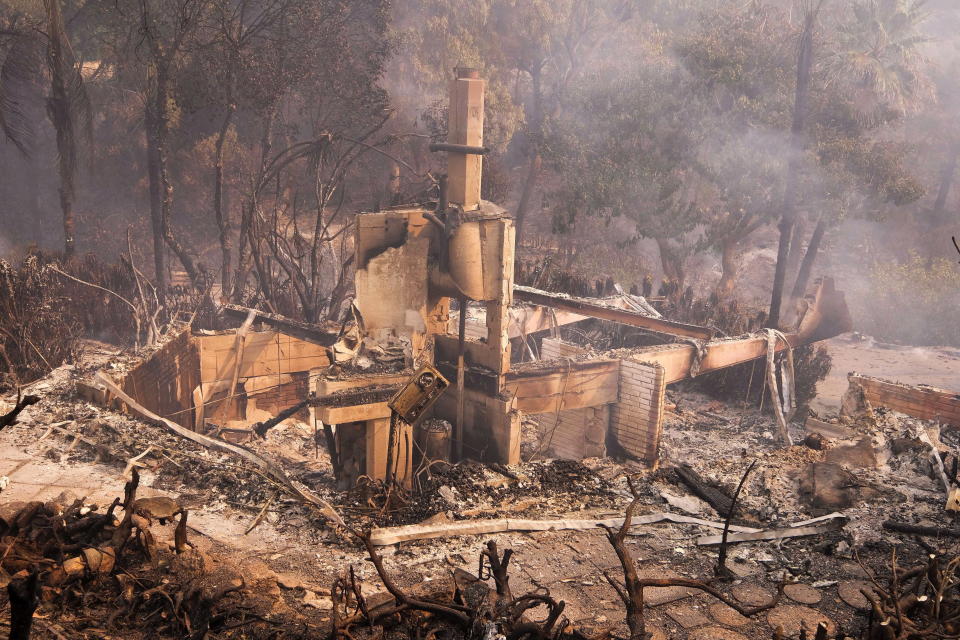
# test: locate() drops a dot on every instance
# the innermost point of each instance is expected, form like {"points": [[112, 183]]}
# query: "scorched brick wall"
{"points": [[635, 421]]}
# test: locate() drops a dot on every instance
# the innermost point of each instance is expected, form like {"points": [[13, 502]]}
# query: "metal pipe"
{"points": [[461, 348], [459, 148], [442, 200]]}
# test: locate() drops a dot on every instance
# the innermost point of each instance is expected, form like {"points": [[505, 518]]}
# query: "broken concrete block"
{"points": [[831, 430], [688, 504], [687, 616], [826, 486], [802, 593], [854, 403]]}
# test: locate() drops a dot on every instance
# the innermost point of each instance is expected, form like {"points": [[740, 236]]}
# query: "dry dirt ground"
{"points": [[300, 556], [935, 366]]}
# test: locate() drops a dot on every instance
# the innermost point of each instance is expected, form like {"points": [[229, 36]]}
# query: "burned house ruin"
{"points": [[434, 284]]}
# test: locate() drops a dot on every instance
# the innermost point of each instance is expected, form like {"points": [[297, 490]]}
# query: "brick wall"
{"points": [[573, 434], [636, 420], [926, 403], [286, 395], [164, 382]]}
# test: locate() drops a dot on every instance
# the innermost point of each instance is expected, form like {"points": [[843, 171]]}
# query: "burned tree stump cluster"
{"points": [[98, 570]]}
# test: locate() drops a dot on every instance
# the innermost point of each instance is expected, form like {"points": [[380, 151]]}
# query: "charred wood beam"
{"points": [[303, 330], [720, 501], [591, 309], [24, 598], [261, 428], [459, 148], [921, 530]]}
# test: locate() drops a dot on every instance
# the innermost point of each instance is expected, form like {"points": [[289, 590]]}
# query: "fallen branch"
{"points": [[631, 590], [22, 403], [393, 535], [262, 514], [268, 468], [721, 569], [452, 612], [771, 534]]}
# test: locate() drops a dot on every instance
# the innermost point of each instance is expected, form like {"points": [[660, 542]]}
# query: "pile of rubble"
{"points": [[809, 519]]}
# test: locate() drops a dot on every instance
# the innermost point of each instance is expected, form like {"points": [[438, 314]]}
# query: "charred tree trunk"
{"points": [[58, 109], [156, 208], [220, 206], [245, 253], [729, 267], [66, 160], [536, 160], [161, 189], [809, 258], [796, 246], [788, 217], [672, 263], [24, 597], [946, 180]]}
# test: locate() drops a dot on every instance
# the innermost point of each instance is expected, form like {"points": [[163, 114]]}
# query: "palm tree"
{"points": [[878, 53], [27, 73]]}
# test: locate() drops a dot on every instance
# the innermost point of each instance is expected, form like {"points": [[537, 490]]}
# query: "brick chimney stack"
{"points": [[465, 127]]}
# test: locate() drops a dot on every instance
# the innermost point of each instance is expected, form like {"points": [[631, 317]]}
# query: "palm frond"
{"points": [[20, 91], [69, 104]]}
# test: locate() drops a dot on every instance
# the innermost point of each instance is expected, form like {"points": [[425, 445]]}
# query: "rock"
{"points": [[688, 504], [849, 592], [802, 593], [792, 618], [256, 569], [290, 581], [857, 456], [687, 617], [190, 564], [727, 616], [751, 595], [826, 487], [715, 633], [323, 603]]}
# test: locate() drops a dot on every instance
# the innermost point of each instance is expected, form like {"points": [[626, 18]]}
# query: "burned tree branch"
{"points": [[22, 403], [452, 612], [631, 590], [24, 598], [721, 568]]}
